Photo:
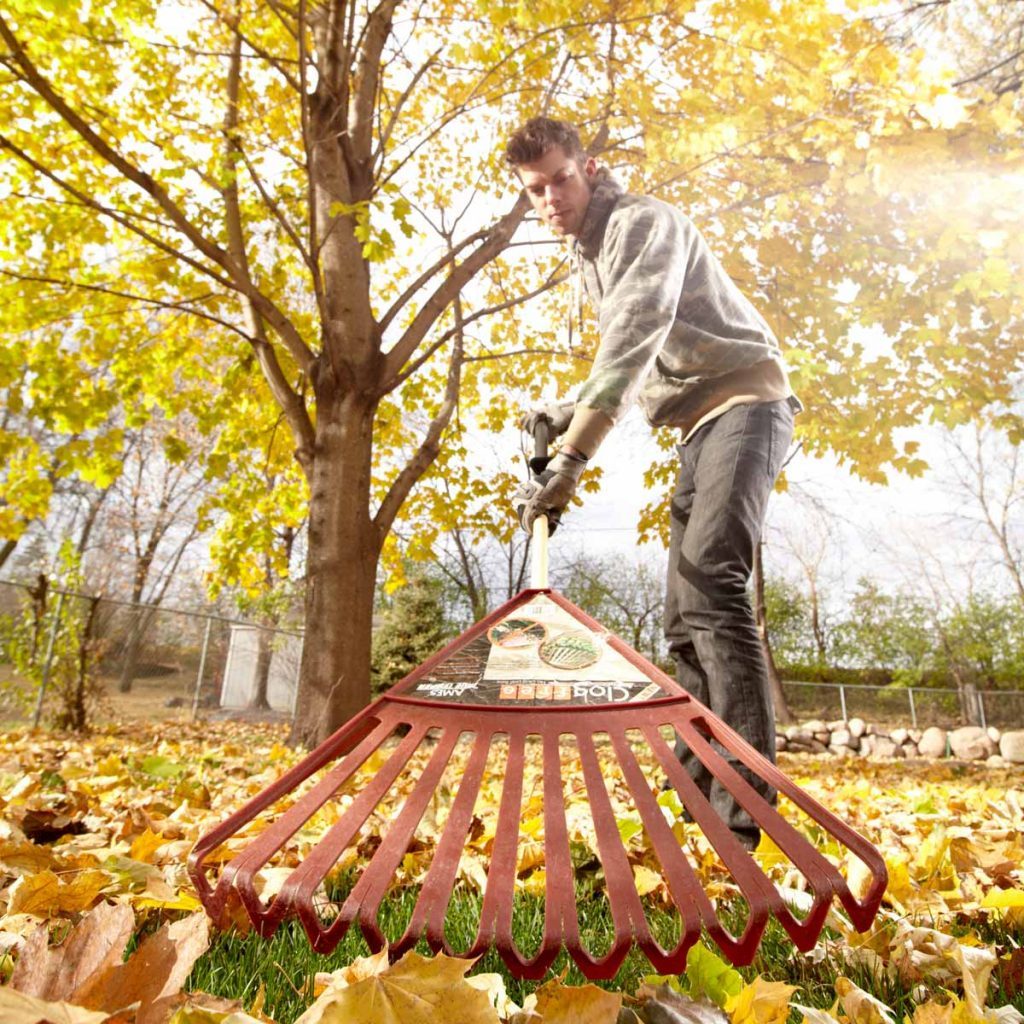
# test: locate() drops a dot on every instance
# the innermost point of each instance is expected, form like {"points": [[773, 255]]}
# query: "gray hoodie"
{"points": [[677, 335]]}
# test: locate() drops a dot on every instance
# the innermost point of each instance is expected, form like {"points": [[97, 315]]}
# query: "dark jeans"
{"points": [[727, 470]]}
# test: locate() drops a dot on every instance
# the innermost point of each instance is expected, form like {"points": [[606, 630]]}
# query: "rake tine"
{"points": [[496, 911], [297, 891], [739, 949], [679, 875], [366, 895], [239, 873], [824, 879], [436, 891], [561, 923], [620, 886], [861, 912]]}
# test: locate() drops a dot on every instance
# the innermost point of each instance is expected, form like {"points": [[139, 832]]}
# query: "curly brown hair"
{"points": [[537, 136]]}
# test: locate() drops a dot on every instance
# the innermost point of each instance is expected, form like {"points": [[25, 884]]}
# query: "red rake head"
{"points": [[566, 766]]}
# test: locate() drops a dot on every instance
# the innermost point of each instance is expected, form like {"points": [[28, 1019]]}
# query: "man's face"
{"points": [[559, 188]]}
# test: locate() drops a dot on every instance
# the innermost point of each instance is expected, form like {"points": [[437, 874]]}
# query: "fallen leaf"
{"points": [[360, 968], [416, 990], [861, 1007], [97, 943], [761, 1002], [18, 1008], [813, 1015], [709, 976], [577, 1004], [933, 1012], [661, 1004], [155, 972]]}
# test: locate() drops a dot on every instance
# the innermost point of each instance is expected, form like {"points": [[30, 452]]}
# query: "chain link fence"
{"points": [[65, 654], [914, 707]]}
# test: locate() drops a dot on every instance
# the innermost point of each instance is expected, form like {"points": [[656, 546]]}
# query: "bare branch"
{"points": [[449, 289], [421, 281], [431, 445], [479, 314]]}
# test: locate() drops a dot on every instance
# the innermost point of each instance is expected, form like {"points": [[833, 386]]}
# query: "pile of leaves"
{"points": [[94, 836]]}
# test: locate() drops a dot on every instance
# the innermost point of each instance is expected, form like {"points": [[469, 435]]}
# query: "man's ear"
{"points": [[590, 167]]}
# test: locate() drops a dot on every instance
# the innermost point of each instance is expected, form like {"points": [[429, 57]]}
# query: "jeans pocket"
{"points": [[779, 437]]}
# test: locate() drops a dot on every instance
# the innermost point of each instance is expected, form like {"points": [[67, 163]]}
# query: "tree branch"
{"points": [[446, 293], [479, 314], [428, 450]]}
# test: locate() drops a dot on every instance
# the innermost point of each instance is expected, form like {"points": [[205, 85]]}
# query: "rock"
{"points": [[1011, 746], [781, 743], [815, 725], [910, 749], [994, 734], [899, 736], [839, 723], [884, 747], [843, 753], [840, 738], [797, 734], [995, 761], [971, 743], [857, 727], [932, 742], [915, 735]]}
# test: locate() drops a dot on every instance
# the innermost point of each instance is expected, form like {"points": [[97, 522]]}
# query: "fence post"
{"points": [[202, 666], [913, 709], [842, 702], [980, 694], [48, 663]]}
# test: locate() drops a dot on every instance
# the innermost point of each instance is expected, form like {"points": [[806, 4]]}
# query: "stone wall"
{"points": [[857, 738]]}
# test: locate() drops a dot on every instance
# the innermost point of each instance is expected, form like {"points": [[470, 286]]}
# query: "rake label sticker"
{"points": [[539, 655]]}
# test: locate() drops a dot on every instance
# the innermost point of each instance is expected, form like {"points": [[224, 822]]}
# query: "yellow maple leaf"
{"points": [[933, 1012], [416, 990], [44, 893], [18, 1008], [145, 845], [577, 1004], [760, 1002], [861, 1007]]}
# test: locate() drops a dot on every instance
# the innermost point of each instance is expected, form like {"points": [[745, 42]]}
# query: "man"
{"points": [[677, 336]]}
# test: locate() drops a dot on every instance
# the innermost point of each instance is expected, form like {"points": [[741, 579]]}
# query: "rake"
{"points": [[512, 714]]}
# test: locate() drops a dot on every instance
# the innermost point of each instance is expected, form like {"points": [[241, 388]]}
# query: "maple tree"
{"points": [[316, 184]]}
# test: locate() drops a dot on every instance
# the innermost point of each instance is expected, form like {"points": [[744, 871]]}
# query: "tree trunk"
{"points": [[133, 648], [341, 568], [782, 712], [265, 651]]}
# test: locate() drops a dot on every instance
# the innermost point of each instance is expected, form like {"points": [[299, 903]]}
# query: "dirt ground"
{"points": [[162, 698]]}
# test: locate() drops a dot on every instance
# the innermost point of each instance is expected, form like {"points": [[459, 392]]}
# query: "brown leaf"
{"points": [[663, 1005], [96, 944], [155, 972], [582, 1004]]}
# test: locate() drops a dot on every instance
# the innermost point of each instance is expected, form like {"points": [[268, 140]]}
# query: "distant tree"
{"points": [[890, 631], [625, 594], [412, 628]]}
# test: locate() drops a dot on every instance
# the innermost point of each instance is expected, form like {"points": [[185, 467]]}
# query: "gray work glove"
{"points": [[548, 493], [557, 415]]}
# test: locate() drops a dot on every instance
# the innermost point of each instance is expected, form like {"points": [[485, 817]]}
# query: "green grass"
{"points": [[280, 970]]}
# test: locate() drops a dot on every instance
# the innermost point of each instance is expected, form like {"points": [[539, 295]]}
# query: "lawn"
{"points": [[111, 818]]}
